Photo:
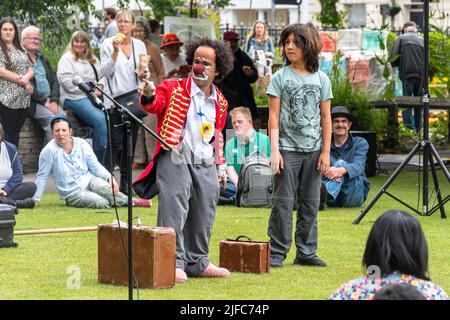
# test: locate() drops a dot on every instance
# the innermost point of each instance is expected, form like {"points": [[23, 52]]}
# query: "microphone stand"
{"points": [[126, 116]]}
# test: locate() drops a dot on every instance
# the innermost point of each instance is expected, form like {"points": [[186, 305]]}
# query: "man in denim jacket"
{"points": [[346, 181]]}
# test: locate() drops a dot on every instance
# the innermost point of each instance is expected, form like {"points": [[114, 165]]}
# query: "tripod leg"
{"points": [[436, 185], [439, 160], [387, 183]]}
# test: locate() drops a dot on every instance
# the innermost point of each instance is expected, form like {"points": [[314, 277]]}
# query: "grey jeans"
{"points": [[299, 175], [44, 116]]}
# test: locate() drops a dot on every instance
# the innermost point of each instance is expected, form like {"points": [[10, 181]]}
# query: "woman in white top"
{"points": [[79, 60], [122, 78]]}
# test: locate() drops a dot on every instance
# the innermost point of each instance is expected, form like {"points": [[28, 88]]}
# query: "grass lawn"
{"points": [[40, 267]]}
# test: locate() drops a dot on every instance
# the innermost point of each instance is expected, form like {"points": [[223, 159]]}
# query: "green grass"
{"points": [[38, 268]]}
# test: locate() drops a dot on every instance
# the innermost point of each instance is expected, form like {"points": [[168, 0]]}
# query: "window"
{"points": [[357, 15]]}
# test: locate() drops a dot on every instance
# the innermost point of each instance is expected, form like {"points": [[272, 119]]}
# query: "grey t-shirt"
{"points": [[300, 127]]}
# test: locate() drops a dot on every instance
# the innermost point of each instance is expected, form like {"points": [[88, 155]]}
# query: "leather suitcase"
{"points": [[7, 223], [153, 256], [245, 255]]}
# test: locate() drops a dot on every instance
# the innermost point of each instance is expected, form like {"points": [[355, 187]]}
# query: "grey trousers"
{"points": [[299, 175], [44, 116], [187, 201], [98, 195]]}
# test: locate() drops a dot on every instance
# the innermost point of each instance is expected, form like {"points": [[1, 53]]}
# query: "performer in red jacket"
{"points": [[191, 114]]}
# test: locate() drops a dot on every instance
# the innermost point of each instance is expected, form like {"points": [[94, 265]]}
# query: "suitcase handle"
{"points": [[243, 237]]}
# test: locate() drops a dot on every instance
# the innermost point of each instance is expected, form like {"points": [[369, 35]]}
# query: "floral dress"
{"points": [[364, 288]]}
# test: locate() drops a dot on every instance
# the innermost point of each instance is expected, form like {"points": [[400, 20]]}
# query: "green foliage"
{"points": [[439, 130], [440, 46], [329, 16], [162, 8]]}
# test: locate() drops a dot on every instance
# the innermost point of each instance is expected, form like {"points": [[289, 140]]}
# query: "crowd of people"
{"points": [[192, 93]]}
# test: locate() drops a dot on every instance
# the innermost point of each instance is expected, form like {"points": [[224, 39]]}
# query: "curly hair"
{"points": [[309, 42], [224, 55]]}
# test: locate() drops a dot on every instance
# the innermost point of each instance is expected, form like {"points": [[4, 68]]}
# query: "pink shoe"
{"points": [[211, 271], [145, 203], [180, 276]]}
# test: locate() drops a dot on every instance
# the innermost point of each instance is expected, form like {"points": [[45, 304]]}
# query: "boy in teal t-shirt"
{"points": [[300, 138]]}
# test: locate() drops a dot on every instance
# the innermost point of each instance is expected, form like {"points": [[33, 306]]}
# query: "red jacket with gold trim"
{"points": [[171, 104]]}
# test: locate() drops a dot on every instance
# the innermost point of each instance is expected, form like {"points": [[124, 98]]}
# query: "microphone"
{"points": [[87, 89]]}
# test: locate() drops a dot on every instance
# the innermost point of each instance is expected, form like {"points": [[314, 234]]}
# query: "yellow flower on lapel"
{"points": [[206, 131]]}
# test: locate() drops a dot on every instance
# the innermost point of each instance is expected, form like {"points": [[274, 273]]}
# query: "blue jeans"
{"points": [[347, 192], [94, 118], [229, 192]]}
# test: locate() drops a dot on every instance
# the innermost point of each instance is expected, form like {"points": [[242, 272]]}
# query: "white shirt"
{"points": [[5, 166], [121, 76], [200, 113], [169, 65], [68, 68]]}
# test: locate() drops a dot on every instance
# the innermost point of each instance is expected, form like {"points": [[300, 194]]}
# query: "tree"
{"points": [[328, 16]]}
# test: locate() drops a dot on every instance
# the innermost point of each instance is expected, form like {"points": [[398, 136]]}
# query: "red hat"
{"points": [[170, 39], [231, 35]]}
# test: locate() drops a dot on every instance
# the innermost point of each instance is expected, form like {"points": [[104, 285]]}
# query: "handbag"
{"points": [[130, 99]]}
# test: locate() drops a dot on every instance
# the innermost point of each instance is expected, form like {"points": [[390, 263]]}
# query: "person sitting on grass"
{"points": [[79, 177], [245, 142], [396, 252], [345, 181], [13, 190]]}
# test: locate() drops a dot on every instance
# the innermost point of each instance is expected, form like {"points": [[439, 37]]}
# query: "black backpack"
{"points": [[256, 182]]}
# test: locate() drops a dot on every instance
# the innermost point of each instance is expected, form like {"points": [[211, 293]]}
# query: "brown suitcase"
{"points": [[153, 256], [245, 255]]}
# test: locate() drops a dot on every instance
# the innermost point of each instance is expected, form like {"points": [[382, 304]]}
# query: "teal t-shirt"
{"points": [[236, 151], [300, 128], [40, 77]]}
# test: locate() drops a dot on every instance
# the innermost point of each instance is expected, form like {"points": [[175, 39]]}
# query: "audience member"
{"points": [[300, 136], [246, 141], [155, 32], [346, 181], [13, 190], [78, 176], [16, 73], [145, 145], [45, 96], [409, 47], [236, 85], [109, 16], [191, 114], [399, 291], [79, 60], [258, 39], [123, 57], [174, 61], [396, 252]]}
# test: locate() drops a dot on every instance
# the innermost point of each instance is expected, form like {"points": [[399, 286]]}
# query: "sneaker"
{"points": [[211, 271], [28, 203], [144, 203], [312, 262], [180, 276]]}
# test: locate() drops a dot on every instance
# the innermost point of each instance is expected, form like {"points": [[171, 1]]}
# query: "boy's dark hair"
{"points": [[111, 12], [224, 56], [396, 243], [309, 41], [57, 119], [399, 291]]}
